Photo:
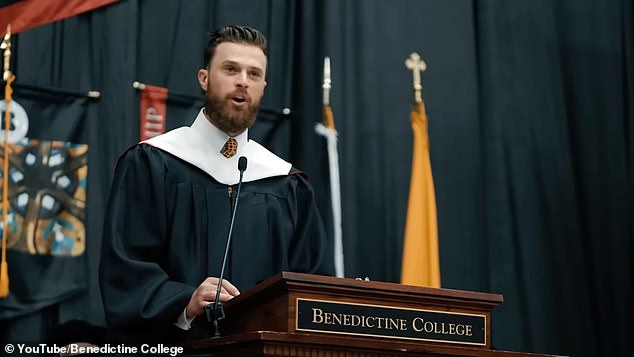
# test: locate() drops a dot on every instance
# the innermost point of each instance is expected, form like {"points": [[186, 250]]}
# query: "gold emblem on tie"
{"points": [[230, 148]]}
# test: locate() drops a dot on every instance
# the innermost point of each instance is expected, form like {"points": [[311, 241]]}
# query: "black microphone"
{"points": [[215, 312]]}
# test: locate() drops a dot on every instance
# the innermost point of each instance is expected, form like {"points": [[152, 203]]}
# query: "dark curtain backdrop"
{"points": [[531, 130]]}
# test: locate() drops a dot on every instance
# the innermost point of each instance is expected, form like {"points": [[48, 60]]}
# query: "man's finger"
{"points": [[223, 298], [230, 288], [226, 285], [214, 289]]}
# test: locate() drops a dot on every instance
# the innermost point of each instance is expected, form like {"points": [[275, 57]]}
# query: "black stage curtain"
{"points": [[531, 130]]}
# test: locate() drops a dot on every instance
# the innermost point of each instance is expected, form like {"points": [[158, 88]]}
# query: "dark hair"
{"points": [[233, 33]]}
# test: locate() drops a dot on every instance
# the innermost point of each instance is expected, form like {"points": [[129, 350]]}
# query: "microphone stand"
{"points": [[215, 312]]}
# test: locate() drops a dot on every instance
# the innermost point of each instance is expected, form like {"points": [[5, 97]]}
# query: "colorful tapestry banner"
{"points": [[47, 181]]}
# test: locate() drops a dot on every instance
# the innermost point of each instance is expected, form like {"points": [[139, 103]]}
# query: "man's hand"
{"points": [[206, 294]]}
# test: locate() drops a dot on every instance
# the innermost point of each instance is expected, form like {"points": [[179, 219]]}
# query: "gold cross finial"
{"points": [[416, 65]]}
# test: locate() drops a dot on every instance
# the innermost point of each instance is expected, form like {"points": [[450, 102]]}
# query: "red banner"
{"points": [[27, 14], [153, 111]]}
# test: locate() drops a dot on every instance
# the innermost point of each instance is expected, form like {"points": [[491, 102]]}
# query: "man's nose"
{"points": [[242, 79]]}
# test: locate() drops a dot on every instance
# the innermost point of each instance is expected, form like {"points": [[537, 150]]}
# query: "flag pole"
{"points": [[327, 130], [8, 77]]}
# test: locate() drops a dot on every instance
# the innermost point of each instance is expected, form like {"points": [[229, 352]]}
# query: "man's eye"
{"points": [[255, 74], [230, 69]]}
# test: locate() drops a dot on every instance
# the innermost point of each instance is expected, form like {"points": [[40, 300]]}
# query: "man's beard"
{"points": [[225, 118]]}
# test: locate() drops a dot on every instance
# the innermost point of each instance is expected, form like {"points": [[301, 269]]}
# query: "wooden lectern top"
{"points": [[346, 287]]}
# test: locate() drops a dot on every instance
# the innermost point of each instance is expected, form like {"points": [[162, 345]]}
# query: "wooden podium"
{"points": [[294, 314]]}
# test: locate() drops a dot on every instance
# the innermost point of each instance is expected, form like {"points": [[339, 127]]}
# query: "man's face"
{"points": [[234, 84]]}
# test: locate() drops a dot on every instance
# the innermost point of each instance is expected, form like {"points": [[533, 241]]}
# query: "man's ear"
{"points": [[203, 78]]}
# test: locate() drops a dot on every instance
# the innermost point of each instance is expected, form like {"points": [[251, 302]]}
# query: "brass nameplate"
{"points": [[386, 321]]}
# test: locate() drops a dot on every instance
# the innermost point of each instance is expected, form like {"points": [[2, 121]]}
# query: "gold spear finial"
{"points": [[6, 48], [416, 65]]}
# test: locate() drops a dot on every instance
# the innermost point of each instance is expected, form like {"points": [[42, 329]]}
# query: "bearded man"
{"points": [[171, 203]]}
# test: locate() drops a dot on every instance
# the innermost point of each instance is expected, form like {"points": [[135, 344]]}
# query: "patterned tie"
{"points": [[230, 148]]}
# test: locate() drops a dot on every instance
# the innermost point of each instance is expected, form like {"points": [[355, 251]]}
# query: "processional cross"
{"points": [[416, 65]]}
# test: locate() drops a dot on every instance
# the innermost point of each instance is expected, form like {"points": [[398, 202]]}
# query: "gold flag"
{"points": [[421, 264]]}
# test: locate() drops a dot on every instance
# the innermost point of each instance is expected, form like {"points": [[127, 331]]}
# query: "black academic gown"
{"points": [[165, 232]]}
